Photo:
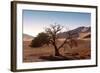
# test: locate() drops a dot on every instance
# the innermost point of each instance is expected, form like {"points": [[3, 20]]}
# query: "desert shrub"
{"points": [[35, 42], [41, 39]]}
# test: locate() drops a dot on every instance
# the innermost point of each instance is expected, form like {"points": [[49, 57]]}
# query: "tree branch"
{"points": [[65, 41]]}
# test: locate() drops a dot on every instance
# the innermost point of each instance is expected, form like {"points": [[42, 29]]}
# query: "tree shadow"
{"points": [[55, 58]]}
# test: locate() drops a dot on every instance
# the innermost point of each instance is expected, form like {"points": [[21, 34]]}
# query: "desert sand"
{"points": [[46, 53]]}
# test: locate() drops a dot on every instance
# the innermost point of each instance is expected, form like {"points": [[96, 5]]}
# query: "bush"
{"points": [[40, 40]]}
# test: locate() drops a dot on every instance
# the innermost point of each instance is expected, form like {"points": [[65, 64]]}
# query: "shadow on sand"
{"points": [[55, 58]]}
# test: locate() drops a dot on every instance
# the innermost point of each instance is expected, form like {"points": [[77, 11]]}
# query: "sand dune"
{"points": [[27, 37]]}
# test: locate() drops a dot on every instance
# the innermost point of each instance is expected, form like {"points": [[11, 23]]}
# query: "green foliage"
{"points": [[41, 39]]}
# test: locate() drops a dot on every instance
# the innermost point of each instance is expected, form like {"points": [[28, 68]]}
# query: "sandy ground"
{"points": [[82, 51]]}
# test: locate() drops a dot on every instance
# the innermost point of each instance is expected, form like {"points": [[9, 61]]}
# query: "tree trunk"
{"points": [[57, 52]]}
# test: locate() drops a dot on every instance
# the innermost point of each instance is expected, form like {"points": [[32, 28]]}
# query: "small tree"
{"points": [[41, 39], [52, 31]]}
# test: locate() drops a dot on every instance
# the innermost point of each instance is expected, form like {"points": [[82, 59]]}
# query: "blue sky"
{"points": [[35, 21]]}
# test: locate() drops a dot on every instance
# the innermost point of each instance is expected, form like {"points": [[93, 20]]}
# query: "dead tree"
{"points": [[52, 31]]}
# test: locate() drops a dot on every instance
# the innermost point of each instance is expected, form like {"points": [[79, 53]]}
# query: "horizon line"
{"points": [[63, 31]]}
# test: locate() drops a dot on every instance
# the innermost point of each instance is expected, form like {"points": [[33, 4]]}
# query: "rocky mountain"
{"points": [[27, 37], [75, 32]]}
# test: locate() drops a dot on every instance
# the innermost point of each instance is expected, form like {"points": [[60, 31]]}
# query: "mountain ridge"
{"points": [[75, 32]]}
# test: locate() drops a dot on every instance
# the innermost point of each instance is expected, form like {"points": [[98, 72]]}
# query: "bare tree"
{"points": [[52, 31]]}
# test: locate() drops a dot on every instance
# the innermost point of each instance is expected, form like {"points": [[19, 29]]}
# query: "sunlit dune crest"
{"points": [[27, 37]]}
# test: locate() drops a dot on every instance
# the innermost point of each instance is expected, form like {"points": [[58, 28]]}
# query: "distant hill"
{"points": [[85, 35], [75, 33], [27, 37]]}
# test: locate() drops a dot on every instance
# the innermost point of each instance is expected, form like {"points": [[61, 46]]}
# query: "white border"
{"points": [[21, 65]]}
